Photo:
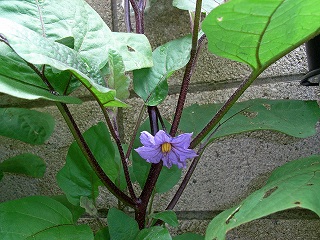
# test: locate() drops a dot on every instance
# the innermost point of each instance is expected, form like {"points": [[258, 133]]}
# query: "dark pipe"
{"points": [[312, 78]]}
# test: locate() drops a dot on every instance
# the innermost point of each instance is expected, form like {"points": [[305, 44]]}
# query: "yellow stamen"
{"points": [[166, 147]]}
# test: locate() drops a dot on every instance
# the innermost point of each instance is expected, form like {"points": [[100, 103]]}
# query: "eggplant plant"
{"points": [[48, 49]]}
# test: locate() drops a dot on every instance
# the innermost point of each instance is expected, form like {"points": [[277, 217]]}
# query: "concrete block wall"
{"points": [[229, 170]]}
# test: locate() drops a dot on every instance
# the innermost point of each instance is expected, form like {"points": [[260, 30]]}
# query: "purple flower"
{"points": [[172, 150]]}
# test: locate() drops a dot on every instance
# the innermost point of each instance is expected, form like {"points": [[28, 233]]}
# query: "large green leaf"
{"points": [[27, 164], [260, 32], [168, 177], [36, 49], [190, 5], [39, 217], [76, 178], [26, 125], [121, 226], [292, 117], [293, 185], [75, 19], [151, 83]]}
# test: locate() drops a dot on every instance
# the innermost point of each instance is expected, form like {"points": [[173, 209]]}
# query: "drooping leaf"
{"points": [[76, 211], [39, 217], [168, 177], [121, 226], [260, 32], [27, 164], [190, 5], [152, 233], [151, 83], [76, 178], [26, 125], [118, 79], [187, 236], [292, 117], [75, 22], [22, 89], [168, 216], [36, 49], [292, 185]]}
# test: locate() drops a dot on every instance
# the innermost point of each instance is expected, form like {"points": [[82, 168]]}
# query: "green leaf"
{"points": [[168, 216], [76, 178], [121, 226], [117, 79], [39, 217], [190, 5], [29, 85], [26, 125], [260, 32], [151, 83], [168, 177], [76, 211], [76, 23], [21, 89], [152, 233], [189, 236], [293, 185], [36, 49], [102, 234], [27, 164], [292, 117]]}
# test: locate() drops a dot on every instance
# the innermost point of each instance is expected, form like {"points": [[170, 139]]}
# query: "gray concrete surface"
{"points": [[229, 170]]}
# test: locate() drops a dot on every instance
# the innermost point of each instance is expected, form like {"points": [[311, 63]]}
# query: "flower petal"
{"points": [[184, 153], [162, 137], [182, 141], [146, 139], [151, 154], [166, 161]]}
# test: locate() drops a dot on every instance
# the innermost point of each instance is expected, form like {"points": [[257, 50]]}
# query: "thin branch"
{"points": [[90, 157], [121, 152], [135, 130], [225, 108], [127, 18], [114, 16], [188, 71], [84, 146], [160, 119]]}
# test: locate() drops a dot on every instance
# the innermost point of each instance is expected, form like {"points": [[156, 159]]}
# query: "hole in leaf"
{"points": [[130, 49], [267, 106], [270, 191], [232, 214], [297, 203], [249, 114], [310, 184]]}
